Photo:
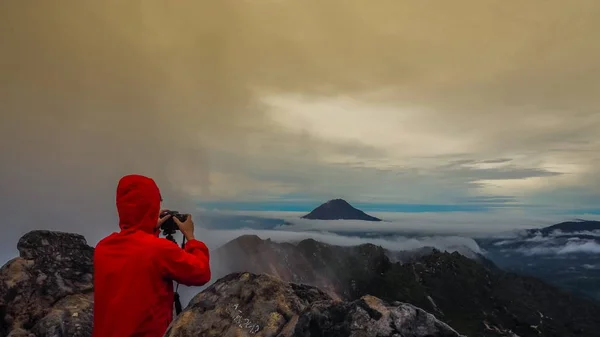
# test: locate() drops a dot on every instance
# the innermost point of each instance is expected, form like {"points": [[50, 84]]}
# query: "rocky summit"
{"points": [[48, 292]]}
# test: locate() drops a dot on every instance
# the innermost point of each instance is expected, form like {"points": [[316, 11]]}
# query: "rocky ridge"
{"points": [[471, 294], [47, 292]]}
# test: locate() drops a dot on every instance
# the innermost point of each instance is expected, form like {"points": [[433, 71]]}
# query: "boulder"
{"points": [[242, 304], [70, 317], [51, 267], [369, 317]]}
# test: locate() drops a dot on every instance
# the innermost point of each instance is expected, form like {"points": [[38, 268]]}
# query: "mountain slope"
{"points": [[475, 298], [338, 209]]}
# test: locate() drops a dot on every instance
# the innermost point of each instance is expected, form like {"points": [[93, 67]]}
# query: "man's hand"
{"points": [[163, 219], [186, 227]]}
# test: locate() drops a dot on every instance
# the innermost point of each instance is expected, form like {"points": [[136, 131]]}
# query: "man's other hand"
{"points": [[163, 219], [186, 227]]}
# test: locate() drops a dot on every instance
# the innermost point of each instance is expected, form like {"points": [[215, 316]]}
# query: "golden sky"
{"points": [[414, 101]]}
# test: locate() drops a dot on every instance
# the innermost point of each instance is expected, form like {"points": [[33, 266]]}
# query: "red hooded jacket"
{"points": [[134, 269]]}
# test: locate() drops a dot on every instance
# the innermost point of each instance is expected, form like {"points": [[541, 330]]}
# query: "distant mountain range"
{"points": [[338, 209], [568, 227], [566, 255]]}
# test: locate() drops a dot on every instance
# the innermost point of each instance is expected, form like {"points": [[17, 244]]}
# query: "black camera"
{"points": [[169, 227]]}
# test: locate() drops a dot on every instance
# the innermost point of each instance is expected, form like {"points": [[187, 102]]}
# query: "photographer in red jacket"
{"points": [[134, 269]]}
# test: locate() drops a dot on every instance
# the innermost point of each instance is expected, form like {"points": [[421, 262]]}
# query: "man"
{"points": [[134, 268]]}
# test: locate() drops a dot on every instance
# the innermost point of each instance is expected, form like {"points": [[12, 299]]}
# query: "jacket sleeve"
{"points": [[189, 266]]}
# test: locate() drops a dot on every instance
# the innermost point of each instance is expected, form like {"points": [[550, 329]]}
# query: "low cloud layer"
{"points": [[556, 243], [443, 236], [215, 238], [471, 224], [398, 243], [577, 247]]}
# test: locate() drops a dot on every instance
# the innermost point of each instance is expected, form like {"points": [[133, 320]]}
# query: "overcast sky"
{"points": [[415, 101]]}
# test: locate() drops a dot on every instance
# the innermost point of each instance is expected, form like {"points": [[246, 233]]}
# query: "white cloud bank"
{"points": [[216, 238], [573, 247], [471, 224]]}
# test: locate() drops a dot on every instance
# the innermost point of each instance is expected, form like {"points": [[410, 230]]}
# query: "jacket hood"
{"points": [[138, 203]]}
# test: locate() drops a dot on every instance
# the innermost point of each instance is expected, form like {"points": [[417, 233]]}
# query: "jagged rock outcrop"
{"points": [[244, 304], [47, 290]]}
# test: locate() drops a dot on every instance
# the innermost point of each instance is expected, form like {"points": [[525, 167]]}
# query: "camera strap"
{"points": [[176, 300]]}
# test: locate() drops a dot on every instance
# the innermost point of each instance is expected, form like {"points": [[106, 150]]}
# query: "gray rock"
{"points": [[51, 266], [20, 333], [70, 317], [369, 317], [245, 304]]}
